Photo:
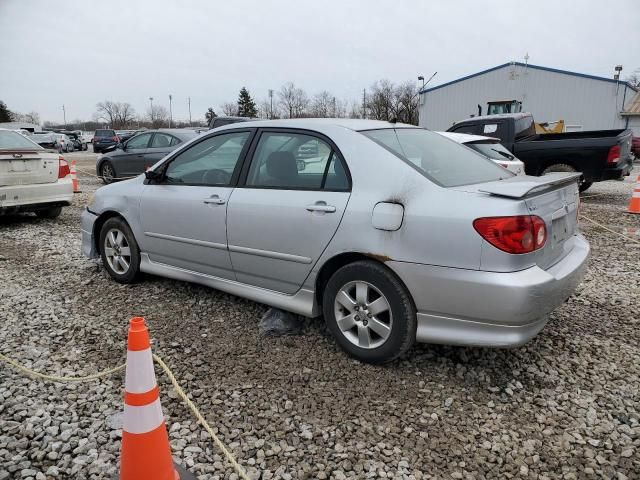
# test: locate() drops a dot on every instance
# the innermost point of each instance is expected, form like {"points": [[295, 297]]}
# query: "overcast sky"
{"points": [[78, 53]]}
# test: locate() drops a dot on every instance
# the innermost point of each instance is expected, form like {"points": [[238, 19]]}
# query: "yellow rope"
{"points": [[236, 466], [84, 172], [609, 230], [54, 378]]}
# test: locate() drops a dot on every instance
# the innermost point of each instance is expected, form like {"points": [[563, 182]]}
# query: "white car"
{"points": [[489, 147], [31, 178]]}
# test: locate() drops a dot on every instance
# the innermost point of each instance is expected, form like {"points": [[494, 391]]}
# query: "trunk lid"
{"points": [[553, 197], [26, 167], [558, 207]]}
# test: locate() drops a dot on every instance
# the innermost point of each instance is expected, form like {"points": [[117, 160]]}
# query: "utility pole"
{"points": [[64, 115], [170, 112], [151, 111], [335, 115], [271, 103], [189, 101], [364, 103]]}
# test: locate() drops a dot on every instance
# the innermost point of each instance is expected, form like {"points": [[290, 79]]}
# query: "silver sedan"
{"points": [[395, 234]]}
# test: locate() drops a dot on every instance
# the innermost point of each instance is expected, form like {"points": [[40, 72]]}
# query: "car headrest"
{"points": [[282, 167]]}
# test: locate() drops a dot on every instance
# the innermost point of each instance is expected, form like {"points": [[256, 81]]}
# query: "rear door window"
{"points": [[296, 161], [441, 160], [163, 140]]}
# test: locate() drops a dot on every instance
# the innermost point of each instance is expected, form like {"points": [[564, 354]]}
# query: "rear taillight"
{"points": [[517, 234], [614, 155], [63, 167], [115, 139]]}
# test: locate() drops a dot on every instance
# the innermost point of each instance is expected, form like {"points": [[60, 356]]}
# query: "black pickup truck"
{"points": [[598, 154]]}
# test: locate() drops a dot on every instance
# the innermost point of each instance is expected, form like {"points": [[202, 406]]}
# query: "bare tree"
{"points": [[116, 114], [634, 78], [31, 117], [157, 116], [293, 100], [355, 111], [406, 101], [264, 109], [229, 109], [321, 105], [125, 115], [286, 98], [380, 102]]}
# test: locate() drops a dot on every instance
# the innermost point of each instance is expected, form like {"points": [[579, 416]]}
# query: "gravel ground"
{"points": [[566, 405]]}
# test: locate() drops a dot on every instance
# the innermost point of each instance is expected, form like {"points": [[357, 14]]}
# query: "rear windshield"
{"points": [[105, 133], [525, 127], [13, 140], [495, 151], [441, 160]]}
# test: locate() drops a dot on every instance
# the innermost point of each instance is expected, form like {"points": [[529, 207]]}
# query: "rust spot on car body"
{"points": [[380, 257]]}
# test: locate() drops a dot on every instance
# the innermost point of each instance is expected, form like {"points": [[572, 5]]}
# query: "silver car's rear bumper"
{"points": [[468, 307], [87, 219]]}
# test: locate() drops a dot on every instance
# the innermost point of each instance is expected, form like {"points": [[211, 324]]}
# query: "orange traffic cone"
{"points": [[634, 203], [145, 453], [74, 178]]}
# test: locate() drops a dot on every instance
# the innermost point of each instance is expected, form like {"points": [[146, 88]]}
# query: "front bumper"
{"points": [[87, 221], [36, 196], [471, 307]]}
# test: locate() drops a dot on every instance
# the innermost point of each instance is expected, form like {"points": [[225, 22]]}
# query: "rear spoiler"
{"points": [[520, 187]]}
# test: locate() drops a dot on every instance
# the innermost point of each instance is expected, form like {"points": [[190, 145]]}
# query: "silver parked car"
{"points": [[394, 233]]}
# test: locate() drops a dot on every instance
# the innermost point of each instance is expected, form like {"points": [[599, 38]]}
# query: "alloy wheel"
{"points": [[117, 251], [108, 173], [363, 314]]}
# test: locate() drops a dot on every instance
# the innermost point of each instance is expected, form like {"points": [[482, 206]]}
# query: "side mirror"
{"points": [[153, 175]]}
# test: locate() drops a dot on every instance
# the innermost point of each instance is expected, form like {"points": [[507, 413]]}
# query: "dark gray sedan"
{"points": [[140, 152]]}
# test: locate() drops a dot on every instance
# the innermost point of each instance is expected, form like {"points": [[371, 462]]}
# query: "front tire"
{"points": [[49, 213], [107, 172], [369, 312], [119, 251]]}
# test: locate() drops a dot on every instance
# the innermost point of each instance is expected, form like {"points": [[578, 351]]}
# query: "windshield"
{"points": [[13, 140], [441, 160], [494, 151]]}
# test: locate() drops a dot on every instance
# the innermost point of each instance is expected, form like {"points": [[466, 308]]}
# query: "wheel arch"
{"points": [[101, 162], [338, 261], [100, 221], [573, 163]]}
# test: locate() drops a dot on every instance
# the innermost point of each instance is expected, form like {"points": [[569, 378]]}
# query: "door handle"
{"points": [[215, 200], [321, 207]]}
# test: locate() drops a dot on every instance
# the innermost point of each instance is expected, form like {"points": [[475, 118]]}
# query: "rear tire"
{"points": [[119, 251], [369, 312], [49, 213], [563, 167]]}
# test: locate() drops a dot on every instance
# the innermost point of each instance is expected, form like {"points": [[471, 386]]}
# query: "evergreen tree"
{"points": [[5, 113], [246, 105], [210, 115]]}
